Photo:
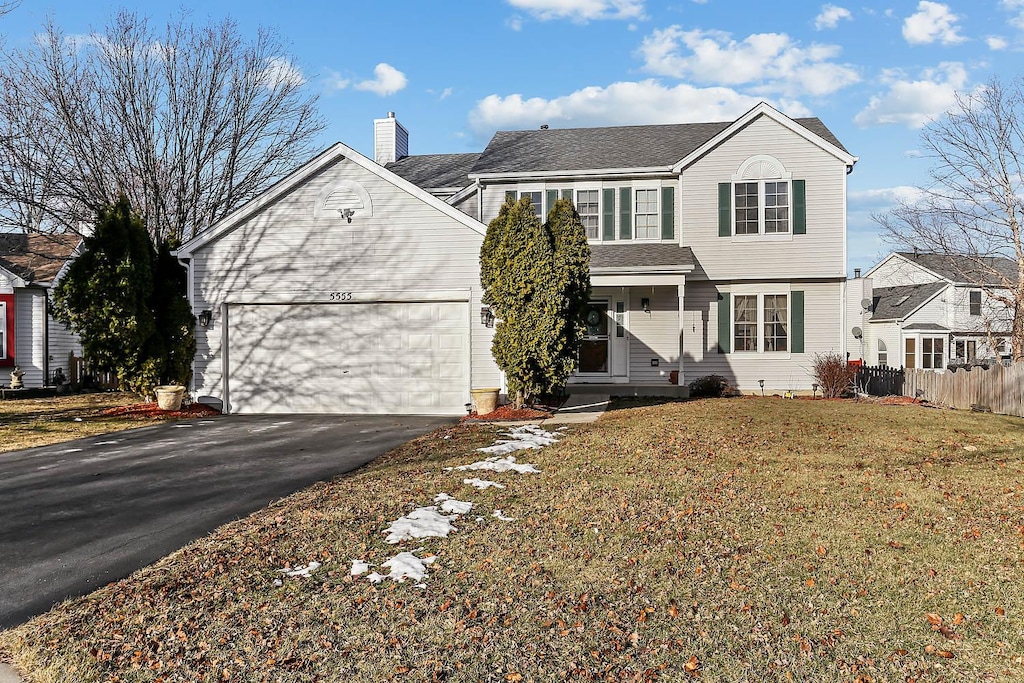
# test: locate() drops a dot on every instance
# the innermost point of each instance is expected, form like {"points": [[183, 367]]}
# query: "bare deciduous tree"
{"points": [[188, 122], [974, 205]]}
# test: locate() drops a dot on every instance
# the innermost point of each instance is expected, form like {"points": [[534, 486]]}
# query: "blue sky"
{"points": [[456, 72]]}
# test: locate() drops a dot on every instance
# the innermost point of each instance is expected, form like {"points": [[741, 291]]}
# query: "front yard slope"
{"points": [[724, 540]]}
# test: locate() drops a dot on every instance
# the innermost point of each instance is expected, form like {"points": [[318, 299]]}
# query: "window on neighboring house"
{"points": [[932, 353], [535, 199], [3, 330], [975, 302], [910, 354], [589, 211], [883, 353], [761, 321], [966, 350], [646, 216]]}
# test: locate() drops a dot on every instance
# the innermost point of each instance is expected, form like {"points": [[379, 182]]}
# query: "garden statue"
{"points": [[16, 375]]}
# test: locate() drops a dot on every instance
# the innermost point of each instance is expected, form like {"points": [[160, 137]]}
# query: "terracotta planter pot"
{"points": [[485, 400], [168, 396]]}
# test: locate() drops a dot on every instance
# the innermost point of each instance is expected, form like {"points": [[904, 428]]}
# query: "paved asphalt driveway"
{"points": [[81, 514]]}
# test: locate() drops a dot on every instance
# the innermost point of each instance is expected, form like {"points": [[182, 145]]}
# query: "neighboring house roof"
{"points": [[656, 256], [926, 326], [435, 171], [897, 303], [619, 147], [36, 257], [978, 270]]}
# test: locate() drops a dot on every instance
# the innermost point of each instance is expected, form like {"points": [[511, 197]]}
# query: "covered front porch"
{"points": [[634, 342]]}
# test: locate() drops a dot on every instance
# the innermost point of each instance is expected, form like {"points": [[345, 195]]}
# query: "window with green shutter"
{"points": [[799, 207], [625, 213], [724, 322], [668, 213], [608, 215], [725, 209], [796, 306]]}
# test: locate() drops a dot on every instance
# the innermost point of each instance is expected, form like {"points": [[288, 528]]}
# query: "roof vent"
{"points": [[543, 126]]}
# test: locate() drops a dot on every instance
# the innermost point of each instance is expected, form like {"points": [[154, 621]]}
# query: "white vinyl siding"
{"points": [[408, 250], [896, 271], [821, 253], [63, 343], [654, 335], [29, 326]]}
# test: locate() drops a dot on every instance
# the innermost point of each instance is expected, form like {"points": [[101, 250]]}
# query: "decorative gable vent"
{"points": [[761, 167], [345, 199]]}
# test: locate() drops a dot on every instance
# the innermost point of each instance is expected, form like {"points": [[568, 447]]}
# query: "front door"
{"points": [[594, 356]]}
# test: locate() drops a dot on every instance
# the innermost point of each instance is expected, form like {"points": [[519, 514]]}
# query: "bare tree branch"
{"points": [[190, 122], [974, 205]]}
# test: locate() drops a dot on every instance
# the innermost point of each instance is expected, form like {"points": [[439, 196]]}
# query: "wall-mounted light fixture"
{"points": [[486, 316], [761, 382], [645, 304], [347, 214], [205, 316]]}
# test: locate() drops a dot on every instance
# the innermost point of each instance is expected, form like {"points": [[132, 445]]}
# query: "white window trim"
{"points": [[880, 348], [919, 338], [646, 187], [592, 187], [4, 332], [981, 303], [760, 293], [762, 168]]}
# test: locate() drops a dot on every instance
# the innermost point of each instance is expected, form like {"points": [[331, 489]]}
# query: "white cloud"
{"points": [[445, 94], [334, 81], [281, 72], [581, 10], [932, 21], [914, 103], [1017, 7], [996, 43], [515, 23], [769, 62], [387, 80], [883, 197], [830, 16], [620, 103]]}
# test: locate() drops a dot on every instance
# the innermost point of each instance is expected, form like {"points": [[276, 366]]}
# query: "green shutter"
{"points": [[668, 213], [608, 216], [510, 196], [724, 209], [567, 194], [724, 322], [799, 208], [552, 197], [625, 213], [796, 313]]}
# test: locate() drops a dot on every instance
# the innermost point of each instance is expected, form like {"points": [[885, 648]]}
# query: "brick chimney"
{"points": [[390, 140]]}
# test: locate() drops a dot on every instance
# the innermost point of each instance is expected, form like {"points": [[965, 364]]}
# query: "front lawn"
{"points": [[722, 540], [25, 423]]}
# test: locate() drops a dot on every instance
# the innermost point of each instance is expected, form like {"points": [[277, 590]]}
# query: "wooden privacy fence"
{"points": [[999, 388], [79, 372], [879, 380]]}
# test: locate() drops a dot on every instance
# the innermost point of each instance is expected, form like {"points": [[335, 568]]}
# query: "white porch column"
{"points": [[681, 290]]}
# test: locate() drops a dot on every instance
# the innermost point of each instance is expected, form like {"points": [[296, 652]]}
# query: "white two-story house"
{"points": [[353, 285], [930, 311]]}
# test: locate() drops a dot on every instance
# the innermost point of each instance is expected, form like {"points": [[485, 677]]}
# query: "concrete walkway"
{"points": [[8, 675], [580, 409]]}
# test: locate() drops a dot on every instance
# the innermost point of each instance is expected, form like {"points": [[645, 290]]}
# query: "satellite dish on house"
{"points": [[858, 333], [865, 304]]}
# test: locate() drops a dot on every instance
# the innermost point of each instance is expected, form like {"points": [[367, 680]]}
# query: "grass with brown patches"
{"points": [[26, 423], [738, 540]]}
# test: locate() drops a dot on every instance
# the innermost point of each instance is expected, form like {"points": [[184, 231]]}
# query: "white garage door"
{"points": [[406, 358]]}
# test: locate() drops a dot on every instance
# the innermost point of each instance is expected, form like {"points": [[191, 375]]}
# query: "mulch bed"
{"points": [[153, 410], [507, 413]]}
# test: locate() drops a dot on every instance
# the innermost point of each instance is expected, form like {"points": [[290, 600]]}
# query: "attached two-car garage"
{"points": [[397, 357]]}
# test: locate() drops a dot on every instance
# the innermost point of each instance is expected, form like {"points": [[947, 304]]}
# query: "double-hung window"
{"points": [[535, 199], [932, 353], [975, 302], [762, 207], [762, 199], [761, 322], [646, 216], [589, 210], [3, 330], [883, 353]]}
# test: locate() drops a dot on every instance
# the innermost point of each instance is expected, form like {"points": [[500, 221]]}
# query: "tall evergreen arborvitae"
{"points": [[126, 301], [536, 278]]}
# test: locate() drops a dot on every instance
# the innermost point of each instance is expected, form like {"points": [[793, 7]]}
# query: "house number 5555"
{"points": [[341, 296]]}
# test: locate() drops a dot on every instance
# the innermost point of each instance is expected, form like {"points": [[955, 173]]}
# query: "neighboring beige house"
{"points": [[30, 339], [931, 311], [353, 285]]}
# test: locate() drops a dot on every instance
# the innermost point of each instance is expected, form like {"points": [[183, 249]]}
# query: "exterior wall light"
{"points": [[205, 316], [486, 316], [645, 304]]}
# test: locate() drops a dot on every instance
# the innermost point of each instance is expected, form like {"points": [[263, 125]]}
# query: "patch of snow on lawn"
{"points": [[520, 439], [407, 566], [496, 464], [482, 484], [497, 513], [359, 567], [420, 523], [452, 506], [302, 570]]}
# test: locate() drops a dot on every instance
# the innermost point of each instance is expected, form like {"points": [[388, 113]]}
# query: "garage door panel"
{"points": [[349, 358]]}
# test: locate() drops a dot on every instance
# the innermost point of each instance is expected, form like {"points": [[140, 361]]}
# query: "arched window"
{"points": [[762, 197], [883, 353]]}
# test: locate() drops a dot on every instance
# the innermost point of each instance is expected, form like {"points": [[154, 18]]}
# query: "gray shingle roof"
{"points": [[640, 255], [963, 269], [896, 303], [566, 149], [435, 171], [927, 326]]}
